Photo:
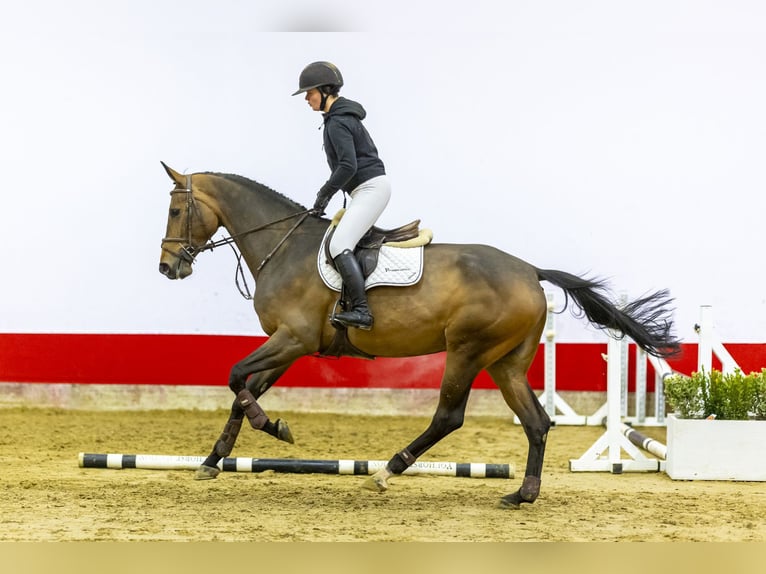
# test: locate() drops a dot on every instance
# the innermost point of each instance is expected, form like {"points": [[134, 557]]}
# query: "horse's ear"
{"points": [[174, 175]]}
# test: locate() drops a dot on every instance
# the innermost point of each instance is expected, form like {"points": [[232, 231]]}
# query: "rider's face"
{"points": [[314, 98]]}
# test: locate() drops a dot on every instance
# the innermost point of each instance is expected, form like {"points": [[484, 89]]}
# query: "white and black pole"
{"points": [[290, 465]]}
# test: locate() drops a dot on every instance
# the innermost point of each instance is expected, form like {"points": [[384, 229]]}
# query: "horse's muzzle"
{"points": [[178, 271], [177, 265], [167, 271]]}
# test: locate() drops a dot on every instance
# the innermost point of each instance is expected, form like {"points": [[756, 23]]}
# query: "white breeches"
{"points": [[368, 201]]}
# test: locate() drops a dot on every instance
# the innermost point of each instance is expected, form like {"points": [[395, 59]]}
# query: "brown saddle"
{"points": [[368, 248]]}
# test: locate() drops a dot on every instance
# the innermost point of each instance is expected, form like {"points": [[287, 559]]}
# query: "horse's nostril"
{"points": [[165, 269]]}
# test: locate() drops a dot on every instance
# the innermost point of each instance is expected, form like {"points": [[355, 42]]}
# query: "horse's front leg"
{"points": [[245, 405], [248, 380], [224, 445]]}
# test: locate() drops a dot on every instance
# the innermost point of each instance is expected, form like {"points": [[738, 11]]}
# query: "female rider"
{"points": [[357, 170]]}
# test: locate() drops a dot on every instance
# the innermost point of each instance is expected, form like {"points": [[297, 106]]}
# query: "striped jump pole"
{"points": [[290, 465], [642, 441]]}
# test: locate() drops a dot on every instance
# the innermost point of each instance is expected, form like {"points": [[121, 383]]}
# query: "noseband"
{"points": [[188, 252]]}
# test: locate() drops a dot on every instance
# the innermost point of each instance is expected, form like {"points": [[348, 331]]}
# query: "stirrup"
{"points": [[354, 318]]}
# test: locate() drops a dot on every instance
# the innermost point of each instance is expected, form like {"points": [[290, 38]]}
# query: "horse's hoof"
{"points": [[283, 432], [376, 483], [510, 502], [206, 473]]}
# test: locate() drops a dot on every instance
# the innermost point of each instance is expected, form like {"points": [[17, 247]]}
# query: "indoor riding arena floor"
{"points": [[45, 496]]}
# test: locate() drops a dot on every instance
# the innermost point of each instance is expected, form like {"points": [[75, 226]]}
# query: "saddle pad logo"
{"points": [[397, 267]]}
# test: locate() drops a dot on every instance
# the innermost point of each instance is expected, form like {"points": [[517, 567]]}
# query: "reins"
{"points": [[189, 252], [210, 245], [239, 273], [303, 215]]}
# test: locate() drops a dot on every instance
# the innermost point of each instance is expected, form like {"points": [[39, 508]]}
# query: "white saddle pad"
{"points": [[397, 267]]}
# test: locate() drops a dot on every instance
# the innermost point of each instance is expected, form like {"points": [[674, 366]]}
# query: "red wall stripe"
{"points": [[206, 360]]}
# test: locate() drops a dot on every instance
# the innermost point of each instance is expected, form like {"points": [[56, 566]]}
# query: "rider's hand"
{"points": [[320, 205]]}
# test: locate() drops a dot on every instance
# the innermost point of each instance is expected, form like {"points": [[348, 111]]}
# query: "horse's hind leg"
{"points": [[456, 386], [510, 375]]}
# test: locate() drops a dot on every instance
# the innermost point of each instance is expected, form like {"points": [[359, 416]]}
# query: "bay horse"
{"points": [[485, 308]]}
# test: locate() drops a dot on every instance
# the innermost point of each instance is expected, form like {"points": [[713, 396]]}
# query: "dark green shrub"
{"points": [[759, 394], [730, 396], [685, 395]]}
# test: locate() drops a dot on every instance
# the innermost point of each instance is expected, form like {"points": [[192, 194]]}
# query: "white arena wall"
{"points": [[617, 140]]}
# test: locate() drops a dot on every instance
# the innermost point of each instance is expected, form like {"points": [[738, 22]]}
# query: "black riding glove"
{"points": [[323, 198]]}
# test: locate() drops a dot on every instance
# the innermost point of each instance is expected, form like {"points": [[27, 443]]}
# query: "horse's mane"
{"points": [[255, 186]]}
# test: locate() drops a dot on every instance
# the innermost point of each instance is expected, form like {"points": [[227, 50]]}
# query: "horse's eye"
{"points": [[175, 212]]}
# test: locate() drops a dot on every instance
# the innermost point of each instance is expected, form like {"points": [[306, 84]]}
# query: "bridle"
{"points": [[188, 251]]}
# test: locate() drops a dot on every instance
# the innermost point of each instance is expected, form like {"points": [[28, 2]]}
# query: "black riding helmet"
{"points": [[319, 75]]}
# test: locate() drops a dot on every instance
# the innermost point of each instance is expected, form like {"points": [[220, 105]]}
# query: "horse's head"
{"points": [[191, 223]]}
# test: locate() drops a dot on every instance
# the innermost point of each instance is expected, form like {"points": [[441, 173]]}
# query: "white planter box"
{"points": [[716, 450]]}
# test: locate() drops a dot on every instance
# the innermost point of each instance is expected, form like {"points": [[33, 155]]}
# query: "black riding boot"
{"points": [[359, 315]]}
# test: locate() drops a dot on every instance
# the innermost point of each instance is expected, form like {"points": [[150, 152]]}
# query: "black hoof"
{"points": [[206, 473], [283, 432], [511, 502]]}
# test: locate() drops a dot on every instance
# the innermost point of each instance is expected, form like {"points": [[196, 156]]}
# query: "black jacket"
{"points": [[351, 153]]}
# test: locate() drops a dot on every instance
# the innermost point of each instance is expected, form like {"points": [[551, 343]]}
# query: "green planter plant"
{"points": [[728, 448], [724, 396]]}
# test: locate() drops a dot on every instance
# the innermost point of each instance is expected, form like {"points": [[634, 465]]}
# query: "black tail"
{"points": [[645, 320]]}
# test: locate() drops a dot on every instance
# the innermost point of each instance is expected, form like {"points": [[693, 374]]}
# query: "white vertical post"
{"points": [[623, 351], [550, 360], [705, 345], [623, 376], [613, 387], [640, 385], [659, 398]]}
